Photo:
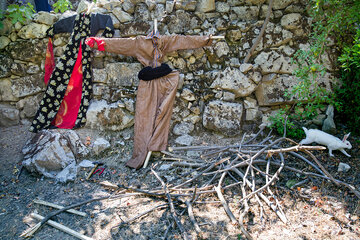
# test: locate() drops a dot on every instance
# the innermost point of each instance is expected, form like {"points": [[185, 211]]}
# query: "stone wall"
{"points": [[216, 92]]}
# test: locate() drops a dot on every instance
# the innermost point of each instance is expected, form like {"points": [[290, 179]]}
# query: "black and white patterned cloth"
{"points": [[82, 26]]}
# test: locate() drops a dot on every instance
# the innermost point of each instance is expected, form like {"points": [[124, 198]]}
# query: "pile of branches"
{"points": [[242, 166]]}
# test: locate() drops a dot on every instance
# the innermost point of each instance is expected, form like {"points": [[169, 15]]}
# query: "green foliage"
{"points": [[291, 183], [308, 93], [293, 130], [1, 17], [16, 13], [62, 6], [350, 58], [349, 92], [333, 21]]}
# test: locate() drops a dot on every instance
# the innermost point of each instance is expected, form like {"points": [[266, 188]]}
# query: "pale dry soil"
{"points": [[316, 210]]}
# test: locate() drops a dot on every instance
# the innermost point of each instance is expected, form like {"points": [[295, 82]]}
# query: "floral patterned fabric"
{"points": [[58, 87]]}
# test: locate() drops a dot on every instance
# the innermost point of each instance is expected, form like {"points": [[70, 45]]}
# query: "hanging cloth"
{"points": [[69, 87]]}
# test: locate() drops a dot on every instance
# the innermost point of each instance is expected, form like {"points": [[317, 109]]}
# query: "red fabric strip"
{"points": [[49, 61], [69, 108]]}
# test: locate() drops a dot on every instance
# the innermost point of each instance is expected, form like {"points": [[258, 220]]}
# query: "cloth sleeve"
{"points": [[102, 22], [65, 25], [123, 46], [180, 42]]}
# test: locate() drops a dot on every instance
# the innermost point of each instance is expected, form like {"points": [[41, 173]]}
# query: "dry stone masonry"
{"points": [[217, 91]]}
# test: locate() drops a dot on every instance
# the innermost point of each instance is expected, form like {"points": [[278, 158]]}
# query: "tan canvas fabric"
{"points": [[155, 98]]}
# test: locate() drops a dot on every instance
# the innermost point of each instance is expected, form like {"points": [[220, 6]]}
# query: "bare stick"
{"points": [[31, 231], [59, 207], [147, 159], [230, 214], [263, 197], [61, 227], [251, 51], [140, 215], [191, 216], [172, 208]]}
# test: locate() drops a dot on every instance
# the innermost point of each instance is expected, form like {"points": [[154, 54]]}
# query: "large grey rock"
{"points": [[5, 65], [50, 152], [100, 75], [123, 74], [142, 12], [18, 69], [134, 28], [104, 116], [4, 41], [33, 30], [221, 49], [111, 4], [128, 6], [183, 128], [115, 21], [6, 94], [45, 18], [205, 6], [29, 105], [169, 7], [7, 26], [33, 51], [222, 7], [179, 23], [280, 4], [272, 88], [291, 21], [122, 15], [223, 117], [9, 116], [273, 62], [235, 81], [27, 86], [247, 13]]}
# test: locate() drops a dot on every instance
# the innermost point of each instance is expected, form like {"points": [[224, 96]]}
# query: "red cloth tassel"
{"points": [[100, 43], [49, 62]]}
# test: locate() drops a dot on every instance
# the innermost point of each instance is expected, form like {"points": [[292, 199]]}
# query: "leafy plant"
{"points": [[62, 6], [1, 17], [349, 92], [16, 13], [293, 130], [332, 21]]}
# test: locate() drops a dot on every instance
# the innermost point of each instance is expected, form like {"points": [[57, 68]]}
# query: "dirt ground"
{"points": [[315, 210]]}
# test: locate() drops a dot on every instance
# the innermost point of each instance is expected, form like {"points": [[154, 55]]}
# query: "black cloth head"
{"points": [[149, 73]]}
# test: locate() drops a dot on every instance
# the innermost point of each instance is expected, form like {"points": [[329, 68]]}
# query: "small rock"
{"points": [[183, 128], [86, 164], [184, 140], [68, 174], [343, 167], [164, 167], [100, 145], [245, 67]]}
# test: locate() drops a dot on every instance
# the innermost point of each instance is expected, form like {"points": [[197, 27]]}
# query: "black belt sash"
{"points": [[149, 73]]}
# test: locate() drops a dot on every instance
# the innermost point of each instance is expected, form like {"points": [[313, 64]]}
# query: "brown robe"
{"points": [[155, 98]]}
